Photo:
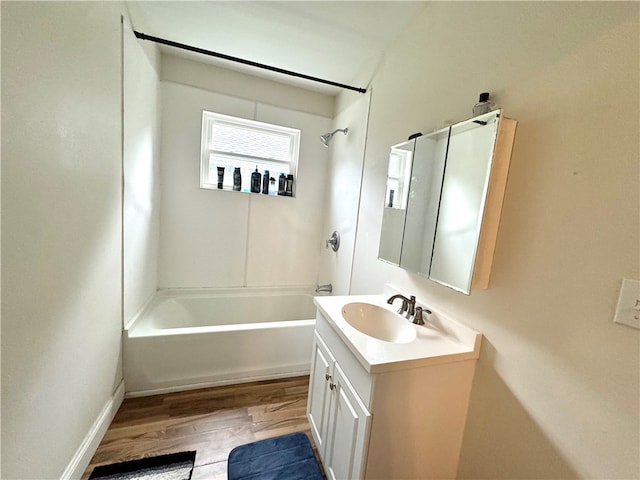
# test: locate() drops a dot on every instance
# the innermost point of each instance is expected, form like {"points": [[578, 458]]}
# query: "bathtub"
{"points": [[185, 339]]}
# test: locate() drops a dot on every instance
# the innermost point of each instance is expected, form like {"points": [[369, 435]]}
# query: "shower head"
{"points": [[326, 138]]}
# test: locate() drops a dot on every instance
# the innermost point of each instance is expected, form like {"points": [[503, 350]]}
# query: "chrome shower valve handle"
{"points": [[334, 241]]}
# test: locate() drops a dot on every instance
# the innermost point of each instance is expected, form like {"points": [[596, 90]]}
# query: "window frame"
{"points": [[405, 165], [209, 119]]}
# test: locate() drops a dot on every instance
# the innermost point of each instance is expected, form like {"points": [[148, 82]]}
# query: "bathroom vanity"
{"points": [[388, 409]]}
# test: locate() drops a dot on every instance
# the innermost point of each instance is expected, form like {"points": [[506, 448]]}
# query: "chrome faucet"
{"points": [[409, 309], [403, 307], [324, 288]]}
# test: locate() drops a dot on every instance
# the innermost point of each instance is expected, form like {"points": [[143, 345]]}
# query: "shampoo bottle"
{"points": [[255, 181], [282, 184], [265, 182], [237, 179], [288, 191], [484, 105], [220, 176]]}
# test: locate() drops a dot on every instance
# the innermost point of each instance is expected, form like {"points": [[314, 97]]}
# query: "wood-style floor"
{"points": [[211, 421]]}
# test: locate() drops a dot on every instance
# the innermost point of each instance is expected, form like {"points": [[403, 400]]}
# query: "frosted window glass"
{"points": [[254, 143], [394, 165]]}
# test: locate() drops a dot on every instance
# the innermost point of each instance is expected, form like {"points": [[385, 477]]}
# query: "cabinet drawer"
{"points": [[359, 378]]}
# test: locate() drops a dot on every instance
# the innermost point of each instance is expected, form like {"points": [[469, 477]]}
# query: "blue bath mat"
{"points": [[288, 457]]}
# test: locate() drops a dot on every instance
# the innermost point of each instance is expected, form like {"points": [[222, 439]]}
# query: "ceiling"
{"points": [[333, 40]]}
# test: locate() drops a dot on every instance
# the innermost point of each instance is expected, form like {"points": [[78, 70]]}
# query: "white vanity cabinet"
{"points": [[339, 421], [397, 420]]}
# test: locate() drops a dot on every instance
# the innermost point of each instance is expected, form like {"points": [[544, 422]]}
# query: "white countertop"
{"points": [[441, 340]]}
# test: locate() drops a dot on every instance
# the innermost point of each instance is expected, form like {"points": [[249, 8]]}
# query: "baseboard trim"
{"points": [[252, 377], [89, 445]]}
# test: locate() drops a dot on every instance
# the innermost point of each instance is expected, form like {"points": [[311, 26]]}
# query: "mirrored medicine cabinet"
{"points": [[444, 198]]}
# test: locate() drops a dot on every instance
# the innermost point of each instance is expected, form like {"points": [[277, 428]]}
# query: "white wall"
{"points": [[61, 235], [213, 238], [248, 87], [343, 191], [556, 390], [141, 164]]}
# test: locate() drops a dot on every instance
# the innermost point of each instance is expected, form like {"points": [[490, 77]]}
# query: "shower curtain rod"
{"points": [[144, 36]]}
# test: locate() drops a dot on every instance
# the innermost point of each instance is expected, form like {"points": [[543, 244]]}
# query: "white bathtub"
{"points": [[196, 338]]}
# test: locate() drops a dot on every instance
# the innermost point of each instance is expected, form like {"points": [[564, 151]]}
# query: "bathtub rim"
{"points": [[218, 329], [188, 292]]}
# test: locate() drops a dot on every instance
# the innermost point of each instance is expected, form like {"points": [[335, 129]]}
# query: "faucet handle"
{"points": [[411, 306], [418, 318]]}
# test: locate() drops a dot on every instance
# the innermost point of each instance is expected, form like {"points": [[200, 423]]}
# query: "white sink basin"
{"points": [[378, 322]]}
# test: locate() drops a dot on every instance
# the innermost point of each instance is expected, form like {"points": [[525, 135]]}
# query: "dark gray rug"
{"points": [[174, 466]]}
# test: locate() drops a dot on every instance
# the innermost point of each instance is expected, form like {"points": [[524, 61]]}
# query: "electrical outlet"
{"points": [[628, 310]]}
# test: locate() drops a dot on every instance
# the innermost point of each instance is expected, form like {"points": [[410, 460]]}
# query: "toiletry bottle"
{"points": [[220, 177], [391, 192], [484, 105], [255, 181], [289, 186], [237, 179], [282, 184], [265, 182]]}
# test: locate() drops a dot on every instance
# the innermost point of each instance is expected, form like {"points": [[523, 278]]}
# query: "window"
{"points": [[230, 143]]}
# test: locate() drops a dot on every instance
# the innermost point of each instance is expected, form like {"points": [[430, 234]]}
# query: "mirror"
{"points": [[424, 201], [433, 215], [395, 203], [462, 202]]}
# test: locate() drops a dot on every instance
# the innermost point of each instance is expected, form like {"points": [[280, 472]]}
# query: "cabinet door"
{"points": [[347, 431], [319, 393], [395, 204], [424, 201], [462, 203]]}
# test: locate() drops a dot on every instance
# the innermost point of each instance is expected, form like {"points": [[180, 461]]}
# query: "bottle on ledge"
{"points": [[237, 179], [255, 181]]}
